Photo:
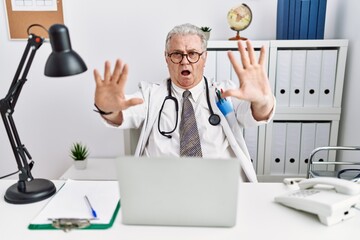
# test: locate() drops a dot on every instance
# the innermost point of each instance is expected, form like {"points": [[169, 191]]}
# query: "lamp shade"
{"points": [[63, 61]]}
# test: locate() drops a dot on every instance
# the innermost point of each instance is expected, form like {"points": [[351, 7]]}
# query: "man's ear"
{"points": [[166, 58]]}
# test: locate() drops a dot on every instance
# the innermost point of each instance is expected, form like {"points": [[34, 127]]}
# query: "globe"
{"points": [[239, 18]]}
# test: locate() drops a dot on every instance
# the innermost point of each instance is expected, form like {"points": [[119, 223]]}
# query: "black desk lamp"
{"points": [[63, 61]]}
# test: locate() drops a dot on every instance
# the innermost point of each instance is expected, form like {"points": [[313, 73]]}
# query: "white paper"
{"points": [[34, 5], [69, 202]]}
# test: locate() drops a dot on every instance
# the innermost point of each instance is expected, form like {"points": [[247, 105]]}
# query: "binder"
{"points": [[321, 19], [298, 62], [210, 68], [313, 19], [328, 76], [304, 19], [297, 17], [312, 78], [283, 76], [251, 140], [322, 139], [69, 202], [291, 19], [278, 148], [223, 66], [282, 19], [307, 145], [233, 75], [292, 152]]}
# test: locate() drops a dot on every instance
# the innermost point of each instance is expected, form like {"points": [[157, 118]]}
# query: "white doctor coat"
{"points": [[154, 94]]}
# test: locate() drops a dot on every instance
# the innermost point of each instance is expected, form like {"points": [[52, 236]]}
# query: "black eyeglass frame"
{"points": [[185, 55]]}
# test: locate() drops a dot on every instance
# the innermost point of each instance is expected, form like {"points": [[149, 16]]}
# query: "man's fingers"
{"points": [[132, 102], [243, 55], [97, 76], [232, 93], [250, 52], [117, 71], [262, 56], [123, 76], [107, 71]]}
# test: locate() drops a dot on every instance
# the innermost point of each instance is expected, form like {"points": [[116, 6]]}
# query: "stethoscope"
{"points": [[214, 119]]}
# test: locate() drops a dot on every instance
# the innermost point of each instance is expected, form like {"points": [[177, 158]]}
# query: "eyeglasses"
{"points": [[177, 57]]}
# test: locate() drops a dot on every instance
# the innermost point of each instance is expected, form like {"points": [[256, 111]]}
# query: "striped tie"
{"points": [[189, 134]]}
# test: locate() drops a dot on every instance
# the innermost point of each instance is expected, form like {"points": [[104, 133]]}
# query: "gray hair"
{"points": [[186, 29]]}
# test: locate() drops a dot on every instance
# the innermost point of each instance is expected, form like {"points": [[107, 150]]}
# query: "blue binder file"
{"points": [[304, 19], [282, 20], [321, 19], [297, 19], [291, 19], [313, 19]]}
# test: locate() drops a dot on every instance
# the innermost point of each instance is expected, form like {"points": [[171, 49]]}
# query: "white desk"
{"points": [[258, 218], [96, 169]]}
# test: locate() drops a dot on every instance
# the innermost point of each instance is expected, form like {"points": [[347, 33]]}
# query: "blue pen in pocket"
{"points": [[223, 104]]}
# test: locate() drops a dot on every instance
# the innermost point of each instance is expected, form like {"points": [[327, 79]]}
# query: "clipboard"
{"points": [[69, 203]]}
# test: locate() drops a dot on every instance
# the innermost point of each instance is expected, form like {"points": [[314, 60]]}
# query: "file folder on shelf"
{"points": [[298, 63], [307, 145], [312, 78], [69, 202], [293, 131], [283, 75], [282, 20], [304, 19], [278, 148], [313, 19], [328, 76]]}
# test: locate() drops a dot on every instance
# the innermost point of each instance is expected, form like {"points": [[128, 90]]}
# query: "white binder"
{"points": [[223, 66], [298, 63], [328, 75], [312, 78], [251, 140], [210, 67], [233, 75], [292, 152], [283, 76], [307, 144], [322, 138], [278, 148]]}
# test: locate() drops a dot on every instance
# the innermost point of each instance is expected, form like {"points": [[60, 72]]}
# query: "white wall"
{"points": [[53, 113]]}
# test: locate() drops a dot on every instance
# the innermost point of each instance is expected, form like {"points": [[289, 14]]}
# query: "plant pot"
{"points": [[207, 35], [80, 164]]}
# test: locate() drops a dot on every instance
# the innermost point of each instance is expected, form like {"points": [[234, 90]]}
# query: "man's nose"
{"points": [[184, 60]]}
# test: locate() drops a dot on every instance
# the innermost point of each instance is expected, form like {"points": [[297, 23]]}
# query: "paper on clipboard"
{"points": [[69, 202]]}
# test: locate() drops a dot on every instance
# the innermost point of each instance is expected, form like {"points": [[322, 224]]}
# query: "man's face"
{"points": [[185, 74]]}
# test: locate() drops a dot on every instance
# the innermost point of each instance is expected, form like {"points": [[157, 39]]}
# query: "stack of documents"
{"points": [[70, 202]]}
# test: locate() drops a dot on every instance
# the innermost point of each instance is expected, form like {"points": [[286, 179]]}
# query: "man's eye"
{"points": [[177, 55], [192, 54]]}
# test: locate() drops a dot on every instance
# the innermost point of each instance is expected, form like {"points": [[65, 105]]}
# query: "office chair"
{"points": [[342, 169]]}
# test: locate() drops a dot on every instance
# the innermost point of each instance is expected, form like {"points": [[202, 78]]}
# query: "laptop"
{"points": [[172, 191]]}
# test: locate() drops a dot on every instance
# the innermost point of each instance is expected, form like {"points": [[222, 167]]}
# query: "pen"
{"points": [[93, 212]]}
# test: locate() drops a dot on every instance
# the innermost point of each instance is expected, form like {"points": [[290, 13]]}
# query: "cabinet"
{"points": [[307, 78]]}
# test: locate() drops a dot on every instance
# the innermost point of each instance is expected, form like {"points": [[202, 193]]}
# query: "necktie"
{"points": [[189, 134]]}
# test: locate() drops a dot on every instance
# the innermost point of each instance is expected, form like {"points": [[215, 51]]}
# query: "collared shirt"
{"points": [[214, 143]]}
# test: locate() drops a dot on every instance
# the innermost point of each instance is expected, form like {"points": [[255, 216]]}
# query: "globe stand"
{"points": [[237, 37]]}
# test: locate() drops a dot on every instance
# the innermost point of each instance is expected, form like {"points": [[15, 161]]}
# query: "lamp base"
{"points": [[34, 191]]}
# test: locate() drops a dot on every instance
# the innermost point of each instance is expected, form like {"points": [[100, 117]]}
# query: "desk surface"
{"points": [[258, 218], [96, 169]]}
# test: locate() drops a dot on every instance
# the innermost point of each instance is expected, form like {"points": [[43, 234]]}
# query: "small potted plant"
{"points": [[206, 31], [79, 153]]}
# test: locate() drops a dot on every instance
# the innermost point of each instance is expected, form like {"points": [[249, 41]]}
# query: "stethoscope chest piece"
{"points": [[214, 119]]}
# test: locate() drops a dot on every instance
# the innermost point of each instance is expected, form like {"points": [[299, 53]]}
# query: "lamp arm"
{"points": [[7, 106]]}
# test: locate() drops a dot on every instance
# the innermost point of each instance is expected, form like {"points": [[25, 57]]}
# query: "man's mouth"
{"points": [[185, 72]]}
